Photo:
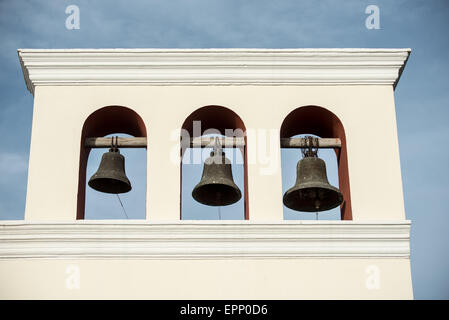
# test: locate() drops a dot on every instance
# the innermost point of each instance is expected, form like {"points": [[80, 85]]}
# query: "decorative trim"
{"points": [[71, 67], [203, 240]]}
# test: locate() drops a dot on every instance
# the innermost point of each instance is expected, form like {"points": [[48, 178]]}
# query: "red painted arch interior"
{"points": [[102, 122], [309, 119], [321, 122], [218, 118]]}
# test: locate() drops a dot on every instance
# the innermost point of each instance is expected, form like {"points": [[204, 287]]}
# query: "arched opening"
{"points": [[116, 120], [318, 121], [212, 121]]}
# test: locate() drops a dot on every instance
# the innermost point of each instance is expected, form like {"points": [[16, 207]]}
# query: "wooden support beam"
{"points": [[204, 142], [138, 142], [209, 142], [325, 143]]}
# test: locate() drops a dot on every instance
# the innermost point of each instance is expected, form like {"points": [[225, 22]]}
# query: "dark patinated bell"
{"points": [[110, 176], [217, 187], [312, 191]]}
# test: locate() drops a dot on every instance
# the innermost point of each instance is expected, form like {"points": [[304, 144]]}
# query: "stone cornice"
{"points": [[53, 67], [203, 239]]}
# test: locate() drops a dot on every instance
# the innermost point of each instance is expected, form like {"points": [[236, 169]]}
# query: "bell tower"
{"points": [[258, 101]]}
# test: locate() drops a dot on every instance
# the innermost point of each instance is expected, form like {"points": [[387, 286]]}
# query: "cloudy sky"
{"points": [[422, 96]]}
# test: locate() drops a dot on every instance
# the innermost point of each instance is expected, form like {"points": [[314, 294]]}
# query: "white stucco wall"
{"points": [[367, 113], [206, 279]]}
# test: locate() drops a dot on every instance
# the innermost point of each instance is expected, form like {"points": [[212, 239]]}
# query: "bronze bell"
{"points": [[217, 187], [110, 176], [312, 191]]}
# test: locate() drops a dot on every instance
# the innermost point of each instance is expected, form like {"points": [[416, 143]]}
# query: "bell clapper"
{"points": [[317, 207], [218, 150]]}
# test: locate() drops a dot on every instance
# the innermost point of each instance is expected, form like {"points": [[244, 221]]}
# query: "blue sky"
{"points": [[422, 96]]}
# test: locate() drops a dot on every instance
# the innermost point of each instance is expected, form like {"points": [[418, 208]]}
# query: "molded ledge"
{"points": [[203, 239], [69, 67]]}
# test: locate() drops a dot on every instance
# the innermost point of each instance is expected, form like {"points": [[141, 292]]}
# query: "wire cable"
{"points": [[124, 211]]}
